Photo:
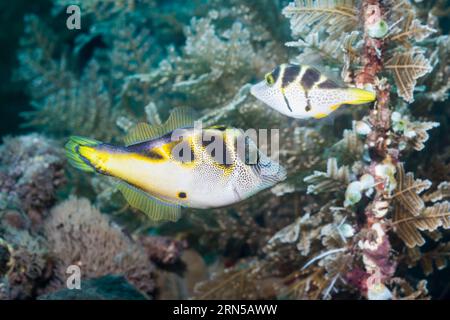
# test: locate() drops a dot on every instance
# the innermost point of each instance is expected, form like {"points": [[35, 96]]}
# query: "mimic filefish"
{"points": [[158, 174], [300, 91]]}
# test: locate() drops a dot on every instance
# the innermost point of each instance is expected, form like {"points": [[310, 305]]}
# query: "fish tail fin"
{"points": [[360, 96], [76, 157]]}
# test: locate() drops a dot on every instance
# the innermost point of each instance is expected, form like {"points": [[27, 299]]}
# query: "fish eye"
{"points": [[269, 79]]}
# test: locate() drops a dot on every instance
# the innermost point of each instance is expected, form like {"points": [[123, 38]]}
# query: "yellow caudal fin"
{"points": [[155, 209], [73, 152], [360, 96]]}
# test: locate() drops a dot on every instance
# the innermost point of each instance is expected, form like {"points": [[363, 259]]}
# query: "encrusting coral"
{"points": [[25, 263], [75, 233], [31, 171], [162, 249]]}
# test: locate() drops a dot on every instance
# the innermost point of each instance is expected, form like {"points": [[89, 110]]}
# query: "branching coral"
{"points": [[334, 17], [407, 68], [210, 59], [242, 282], [438, 258], [235, 231], [77, 81], [278, 274], [328, 181], [63, 102]]}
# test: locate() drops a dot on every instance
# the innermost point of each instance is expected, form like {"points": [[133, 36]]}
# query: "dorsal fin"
{"points": [[182, 117], [154, 208], [332, 75], [219, 127]]}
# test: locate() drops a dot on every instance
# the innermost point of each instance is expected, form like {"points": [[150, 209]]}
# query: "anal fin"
{"points": [[335, 107], [154, 208]]}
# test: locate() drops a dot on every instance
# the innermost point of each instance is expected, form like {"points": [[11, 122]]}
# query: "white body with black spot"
{"points": [[300, 91]]}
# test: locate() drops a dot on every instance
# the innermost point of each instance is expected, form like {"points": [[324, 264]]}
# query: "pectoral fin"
{"points": [[154, 208]]}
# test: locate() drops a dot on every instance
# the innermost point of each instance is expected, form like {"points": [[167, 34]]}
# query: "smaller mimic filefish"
{"points": [[158, 174], [300, 91]]}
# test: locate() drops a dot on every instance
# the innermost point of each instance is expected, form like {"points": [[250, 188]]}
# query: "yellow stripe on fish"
{"points": [[158, 173], [301, 91]]}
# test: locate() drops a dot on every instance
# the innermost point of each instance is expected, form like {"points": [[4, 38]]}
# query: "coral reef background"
{"points": [[363, 214]]}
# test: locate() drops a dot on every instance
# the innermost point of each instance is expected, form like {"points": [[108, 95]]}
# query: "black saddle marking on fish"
{"points": [[309, 78], [147, 149], [224, 159], [180, 156], [328, 84], [290, 73]]}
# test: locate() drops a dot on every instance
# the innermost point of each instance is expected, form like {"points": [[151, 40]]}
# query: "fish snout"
{"points": [[258, 89]]}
